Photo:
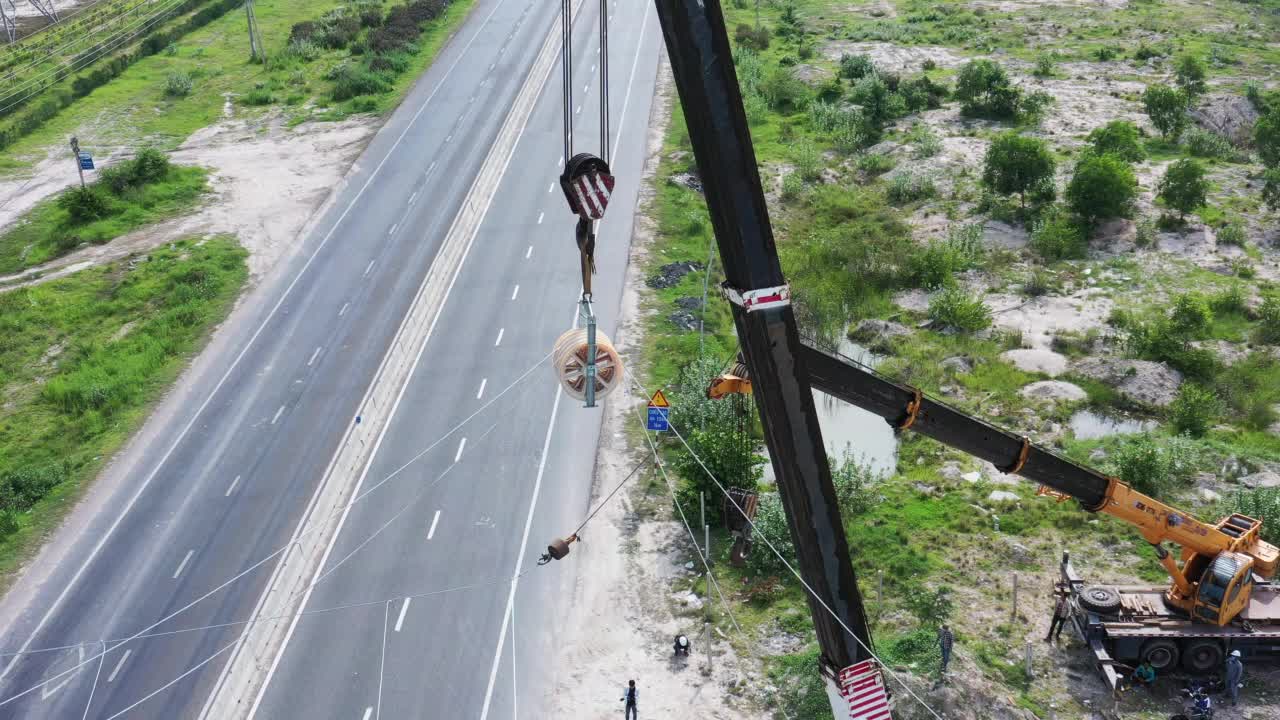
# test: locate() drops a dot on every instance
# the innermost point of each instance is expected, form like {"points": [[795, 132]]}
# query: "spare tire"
{"points": [[1102, 599]]}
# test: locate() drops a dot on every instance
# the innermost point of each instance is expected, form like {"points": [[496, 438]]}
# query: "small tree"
{"points": [[1119, 138], [1184, 186], [1190, 74], [856, 67], [1266, 135], [984, 90], [1103, 186], [1015, 164], [1271, 188], [1167, 108], [873, 95], [1195, 409]]}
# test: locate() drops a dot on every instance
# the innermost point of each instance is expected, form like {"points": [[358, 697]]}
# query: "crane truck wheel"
{"points": [[1161, 653], [1102, 599], [1202, 656]]}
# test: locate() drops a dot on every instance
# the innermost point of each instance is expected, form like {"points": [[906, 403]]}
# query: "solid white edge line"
{"points": [[403, 610], [314, 355], [183, 564], [343, 311], [367, 712], [369, 267], [125, 656], [233, 486], [434, 521]]}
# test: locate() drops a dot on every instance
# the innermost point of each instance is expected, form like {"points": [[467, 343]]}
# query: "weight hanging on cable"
{"points": [[569, 358]]}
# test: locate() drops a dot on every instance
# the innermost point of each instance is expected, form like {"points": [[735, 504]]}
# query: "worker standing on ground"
{"points": [[945, 641], [1059, 620], [1235, 676], [629, 697]]}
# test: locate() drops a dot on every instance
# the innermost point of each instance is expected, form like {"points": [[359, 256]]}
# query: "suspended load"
{"points": [[569, 358]]}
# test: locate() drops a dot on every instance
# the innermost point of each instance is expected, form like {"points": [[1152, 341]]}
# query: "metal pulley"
{"points": [[570, 360], [587, 184]]}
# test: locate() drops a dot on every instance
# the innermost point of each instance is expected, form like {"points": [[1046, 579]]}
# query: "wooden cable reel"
{"points": [[570, 362]]}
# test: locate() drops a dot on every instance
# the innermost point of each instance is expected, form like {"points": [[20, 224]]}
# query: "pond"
{"points": [[852, 430], [1087, 425]]}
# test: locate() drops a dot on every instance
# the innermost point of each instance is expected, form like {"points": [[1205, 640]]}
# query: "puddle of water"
{"points": [[851, 430], [1087, 425]]}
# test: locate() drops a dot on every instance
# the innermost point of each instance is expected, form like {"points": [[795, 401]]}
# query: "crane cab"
{"points": [[1224, 589]]}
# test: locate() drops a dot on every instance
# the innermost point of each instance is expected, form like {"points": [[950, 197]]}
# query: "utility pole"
{"points": [[701, 61], [257, 53]]}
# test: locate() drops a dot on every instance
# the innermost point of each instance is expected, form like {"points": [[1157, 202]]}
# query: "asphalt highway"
{"points": [[223, 483]]}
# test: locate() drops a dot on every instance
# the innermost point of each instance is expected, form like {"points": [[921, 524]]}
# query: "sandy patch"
{"points": [[1039, 319], [894, 57], [1038, 360]]}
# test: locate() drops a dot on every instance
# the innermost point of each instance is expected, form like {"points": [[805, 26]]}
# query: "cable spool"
{"points": [[570, 362]]}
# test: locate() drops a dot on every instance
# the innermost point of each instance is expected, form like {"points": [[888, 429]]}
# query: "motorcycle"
{"points": [[1199, 705]]}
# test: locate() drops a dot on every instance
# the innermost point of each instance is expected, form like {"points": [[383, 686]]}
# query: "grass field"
{"points": [[82, 360]]}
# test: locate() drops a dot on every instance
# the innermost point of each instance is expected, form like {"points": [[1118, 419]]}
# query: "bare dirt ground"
{"points": [[261, 194], [631, 560]]}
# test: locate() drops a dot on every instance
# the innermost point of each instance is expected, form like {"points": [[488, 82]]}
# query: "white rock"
{"points": [[693, 601], [1038, 360], [1052, 390], [972, 476], [1003, 496]]}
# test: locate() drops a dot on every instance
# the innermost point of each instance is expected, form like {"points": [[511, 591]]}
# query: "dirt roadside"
{"points": [[626, 615]]}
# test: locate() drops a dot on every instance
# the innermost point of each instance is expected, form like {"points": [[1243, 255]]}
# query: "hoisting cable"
{"points": [[553, 550]]}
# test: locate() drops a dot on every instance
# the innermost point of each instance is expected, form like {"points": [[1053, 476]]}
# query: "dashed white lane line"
{"points": [[369, 267], [579, 110], [560, 162], [528, 253], [183, 564], [431, 533], [403, 609], [368, 712], [278, 414], [233, 486], [540, 216], [461, 446], [515, 291], [551, 187], [498, 342], [585, 88], [448, 138], [593, 67], [430, 169], [343, 311], [480, 392], [314, 355], [392, 231], [114, 673], [413, 197]]}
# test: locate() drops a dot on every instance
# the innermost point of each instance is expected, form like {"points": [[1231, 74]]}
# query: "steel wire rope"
{"points": [[789, 567], [38, 83], [12, 69], [288, 545]]}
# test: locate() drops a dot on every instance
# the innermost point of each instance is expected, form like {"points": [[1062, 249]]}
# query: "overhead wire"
{"points": [[278, 551], [788, 565]]}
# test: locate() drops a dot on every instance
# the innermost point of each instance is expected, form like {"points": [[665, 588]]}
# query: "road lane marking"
{"points": [[540, 216], [183, 564], [560, 162], [413, 197], [431, 533], [593, 67], [278, 414], [430, 169], [367, 712], [491, 65], [515, 292], [551, 187], [458, 455], [449, 137], [114, 673], [528, 252], [498, 342], [403, 609], [233, 486], [314, 355], [369, 267], [235, 363], [579, 110], [584, 88], [343, 311], [392, 231], [480, 392]]}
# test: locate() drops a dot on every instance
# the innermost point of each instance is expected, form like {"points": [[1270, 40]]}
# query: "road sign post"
{"points": [[75, 150], [659, 413]]}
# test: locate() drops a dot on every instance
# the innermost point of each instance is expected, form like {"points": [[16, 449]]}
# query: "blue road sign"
{"points": [[658, 419], [86, 161]]}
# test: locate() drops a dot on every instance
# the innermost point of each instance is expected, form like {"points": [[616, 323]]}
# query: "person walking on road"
{"points": [[1059, 620], [1235, 676], [629, 697], [945, 641]]}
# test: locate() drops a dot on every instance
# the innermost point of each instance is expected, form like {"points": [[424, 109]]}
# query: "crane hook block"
{"points": [[587, 185]]}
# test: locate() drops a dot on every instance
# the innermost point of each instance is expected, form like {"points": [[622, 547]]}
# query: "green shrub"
{"points": [[1103, 186], [792, 186], [1269, 320], [1195, 410], [1144, 233], [1260, 504], [921, 93], [856, 486], [1153, 467], [1057, 236], [1191, 315], [1189, 74], [879, 103], [1271, 188], [784, 91], [177, 84], [823, 115], [1167, 108], [258, 96], [984, 90], [84, 204], [953, 307], [1044, 65], [1016, 164], [351, 80], [771, 524], [808, 161], [1230, 300], [303, 50], [1184, 186], [750, 37], [1119, 138], [935, 264], [1037, 284], [1105, 53], [926, 141], [875, 163], [1266, 136], [1231, 234], [853, 132], [1205, 144], [856, 67], [906, 187], [931, 608]]}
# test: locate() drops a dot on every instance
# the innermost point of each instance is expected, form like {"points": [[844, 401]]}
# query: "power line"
{"points": [[787, 564], [282, 549]]}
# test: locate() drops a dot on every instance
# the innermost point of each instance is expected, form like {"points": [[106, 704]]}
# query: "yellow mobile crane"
{"points": [[1221, 596]]}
